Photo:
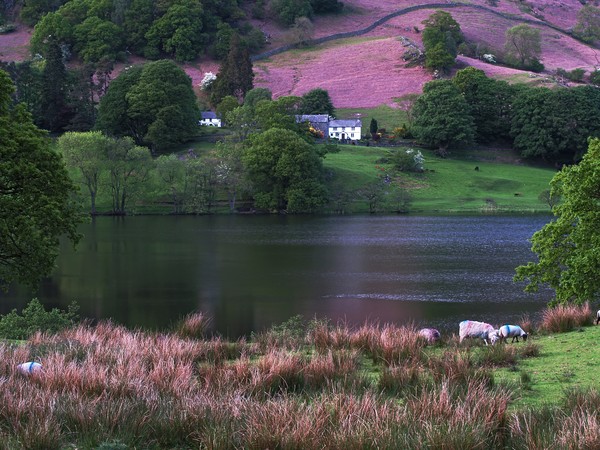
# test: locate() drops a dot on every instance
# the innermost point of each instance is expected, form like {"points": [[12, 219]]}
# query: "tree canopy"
{"points": [[154, 104], [35, 196], [442, 117], [285, 172], [441, 37], [235, 75], [568, 248], [317, 101], [523, 46]]}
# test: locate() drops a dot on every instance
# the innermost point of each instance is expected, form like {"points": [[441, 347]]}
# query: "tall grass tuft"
{"points": [[564, 318], [193, 326]]}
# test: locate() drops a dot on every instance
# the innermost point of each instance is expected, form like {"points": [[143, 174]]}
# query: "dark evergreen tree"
{"points": [[235, 76], [55, 113], [373, 127]]}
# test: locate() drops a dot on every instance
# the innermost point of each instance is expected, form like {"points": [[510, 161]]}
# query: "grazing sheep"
{"points": [[598, 317], [474, 329], [29, 368], [513, 331], [431, 335]]}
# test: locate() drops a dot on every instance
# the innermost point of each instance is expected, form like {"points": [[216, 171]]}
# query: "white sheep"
{"points": [[513, 331], [431, 335], [30, 368], [481, 330], [598, 317]]}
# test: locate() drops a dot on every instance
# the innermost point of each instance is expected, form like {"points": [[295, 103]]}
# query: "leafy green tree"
{"points": [[129, 167], [523, 45], [288, 11], [97, 40], [280, 113], [171, 172], [179, 32], [138, 19], [87, 153], [235, 76], [317, 101], [155, 105], [554, 124], [227, 104], [113, 117], [441, 37], [568, 248], [442, 117], [230, 171], [35, 196], [253, 96], [223, 40], [285, 172], [33, 10], [588, 23], [490, 102]]}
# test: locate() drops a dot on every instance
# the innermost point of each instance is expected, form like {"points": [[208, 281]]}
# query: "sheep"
{"points": [[30, 368], [431, 335], [513, 331], [474, 329], [598, 317]]}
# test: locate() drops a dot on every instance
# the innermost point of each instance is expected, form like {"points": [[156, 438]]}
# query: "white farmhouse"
{"points": [[342, 129], [209, 118], [345, 129]]}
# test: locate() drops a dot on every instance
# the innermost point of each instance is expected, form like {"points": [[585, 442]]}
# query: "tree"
{"points": [[179, 32], [235, 76], [171, 172], [288, 11], [230, 171], [35, 196], [554, 124], [98, 40], [442, 117], [55, 113], [154, 104], [285, 172], [523, 45], [490, 102], [568, 248], [317, 101], [441, 37], [373, 127], [588, 23], [255, 95], [86, 152], [128, 167]]}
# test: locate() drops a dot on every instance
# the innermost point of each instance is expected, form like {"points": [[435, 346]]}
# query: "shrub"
{"points": [[408, 160], [595, 77], [35, 318], [563, 318], [192, 326]]}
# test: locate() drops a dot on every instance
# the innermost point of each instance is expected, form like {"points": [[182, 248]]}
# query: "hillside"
{"points": [[368, 71]]}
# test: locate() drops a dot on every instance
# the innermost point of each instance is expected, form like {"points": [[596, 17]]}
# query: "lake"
{"points": [[249, 272]]}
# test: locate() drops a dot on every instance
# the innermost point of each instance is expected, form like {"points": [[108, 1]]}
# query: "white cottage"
{"points": [[345, 129], [342, 129], [209, 118]]}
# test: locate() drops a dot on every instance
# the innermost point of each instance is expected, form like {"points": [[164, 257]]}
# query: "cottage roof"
{"points": [[208, 115], [313, 118], [345, 123]]}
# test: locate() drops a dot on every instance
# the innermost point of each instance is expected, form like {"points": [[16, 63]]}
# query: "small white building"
{"points": [[345, 129], [209, 118]]}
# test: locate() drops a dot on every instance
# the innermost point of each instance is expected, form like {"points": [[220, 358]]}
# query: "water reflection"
{"points": [[249, 272]]}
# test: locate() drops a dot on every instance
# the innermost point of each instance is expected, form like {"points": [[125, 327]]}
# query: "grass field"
{"points": [[449, 185]]}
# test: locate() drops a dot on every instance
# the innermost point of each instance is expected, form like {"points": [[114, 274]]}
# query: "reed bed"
{"points": [[329, 387]]}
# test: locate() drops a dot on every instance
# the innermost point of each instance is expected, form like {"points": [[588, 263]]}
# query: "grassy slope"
{"points": [[566, 360], [451, 184]]}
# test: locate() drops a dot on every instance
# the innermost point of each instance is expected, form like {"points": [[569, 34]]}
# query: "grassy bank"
{"points": [[475, 180], [297, 385]]}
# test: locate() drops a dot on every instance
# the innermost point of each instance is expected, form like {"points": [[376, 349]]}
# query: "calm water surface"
{"points": [[249, 272]]}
